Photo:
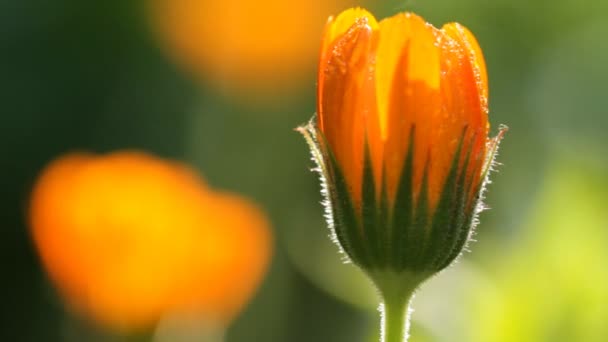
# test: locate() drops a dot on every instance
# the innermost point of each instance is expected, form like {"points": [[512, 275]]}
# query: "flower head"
{"points": [[254, 47], [128, 238], [401, 138]]}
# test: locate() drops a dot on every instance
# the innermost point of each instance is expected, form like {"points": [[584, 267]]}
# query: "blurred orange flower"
{"points": [[128, 237], [250, 45]]}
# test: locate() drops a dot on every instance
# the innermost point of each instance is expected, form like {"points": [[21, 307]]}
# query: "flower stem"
{"points": [[396, 319], [396, 290]]}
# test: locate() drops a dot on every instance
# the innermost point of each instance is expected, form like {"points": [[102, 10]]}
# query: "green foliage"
{"points": [[551, 284]]}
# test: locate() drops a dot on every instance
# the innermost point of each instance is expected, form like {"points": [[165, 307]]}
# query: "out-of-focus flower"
{"points": [[256, 46], [128, 237], [401, 139]]}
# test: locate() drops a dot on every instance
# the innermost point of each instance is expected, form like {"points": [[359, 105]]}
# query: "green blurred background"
{"points": [[95, 75]]}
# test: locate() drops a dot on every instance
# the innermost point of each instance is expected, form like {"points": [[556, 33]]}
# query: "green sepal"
{"points": [[459, 226], [349, 231], [476, 205], [445, 228], [406, 238], [414, 244], [346, 229]]}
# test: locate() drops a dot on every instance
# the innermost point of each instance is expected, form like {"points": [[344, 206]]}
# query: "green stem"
{"points": [[396, 319], [397, 290]]}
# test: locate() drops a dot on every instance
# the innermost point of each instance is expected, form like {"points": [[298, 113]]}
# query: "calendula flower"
{"points": [[255, 47], [128, 238], [401, 140]]}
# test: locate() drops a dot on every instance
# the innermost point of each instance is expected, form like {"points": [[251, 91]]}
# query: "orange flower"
{"points": [[255, 46], [127, 238], [401, 139]]}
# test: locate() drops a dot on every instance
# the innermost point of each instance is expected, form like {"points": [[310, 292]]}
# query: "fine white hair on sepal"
{"points": [[310, 135], [490, 165]]}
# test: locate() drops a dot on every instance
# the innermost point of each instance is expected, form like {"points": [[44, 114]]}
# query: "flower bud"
{"points": [[401, 141]]}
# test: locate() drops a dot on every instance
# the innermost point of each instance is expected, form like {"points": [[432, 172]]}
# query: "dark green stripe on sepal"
{"points": [[443, 228], [414, 244], [403, 211], [348, 228], [461, 223], [384, 221], [370, 215], [472, 209], [457, 229]]}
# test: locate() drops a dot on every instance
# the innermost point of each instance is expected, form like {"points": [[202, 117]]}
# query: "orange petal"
{"points": [[462, 91], [345, 20], [467, 40], [347, 96], [334, 29], [408, 92]]}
